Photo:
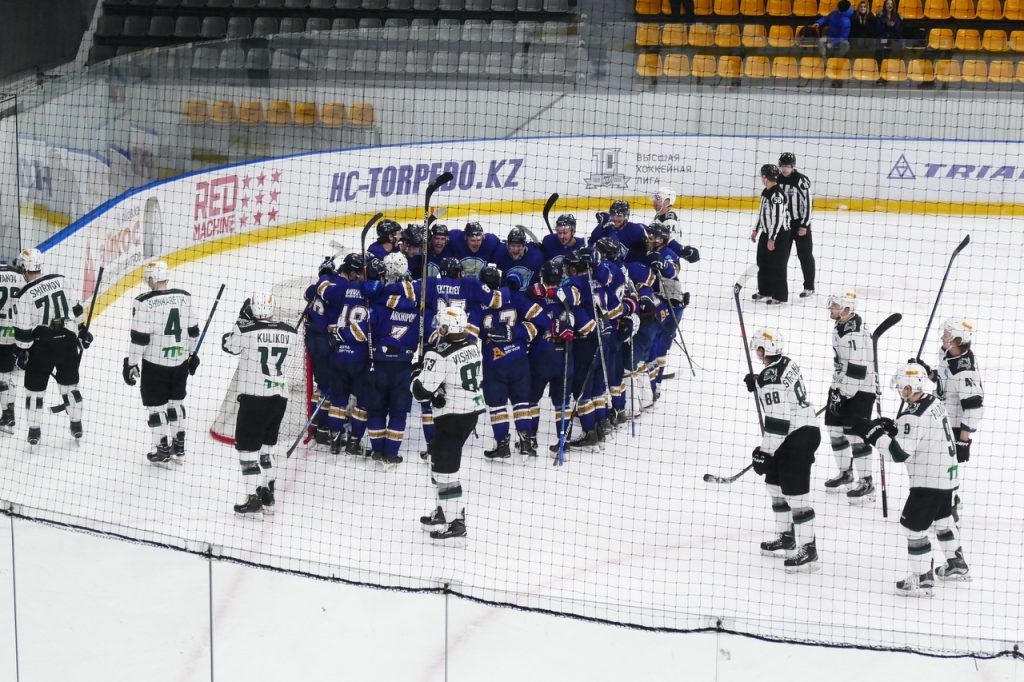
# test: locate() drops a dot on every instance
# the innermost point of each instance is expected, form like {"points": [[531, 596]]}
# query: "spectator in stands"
{"points": [[862, 28], [836, 41], [889, 27]]}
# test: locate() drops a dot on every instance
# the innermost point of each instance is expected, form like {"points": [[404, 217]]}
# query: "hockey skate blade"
{"points": [[451, 542], [813, 567], [780, 554], [385, 466], [920, 593], [252, 516], [844, 488], [955, 578], [7, 429], [862, 501]]}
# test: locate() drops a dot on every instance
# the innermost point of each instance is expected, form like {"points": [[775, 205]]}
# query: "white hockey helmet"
{"points": [[30, 260], [844, 298], [262, 305], [913, 375], [451, 320], [769, 339], [155, 271], [958, 328], [395, 266], [665, 193]]}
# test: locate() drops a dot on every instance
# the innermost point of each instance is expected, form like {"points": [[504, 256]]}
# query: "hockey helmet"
{"points": [[770, 171], [585, 257], [551, 273], [439, 230], [566, 220], [395, 266], [451, 320], [516, 236], [913, 375], [844, 298], [768, 339], [387, 228], [957, 328], [353, 263], [262, 305], [375, 268], [155, 271], [665, 194], [610, 248], [619, 207], [450, 267], [30, 260], [473, 229], [787, 159], [657, 230], [412, 236], [491, 276]]}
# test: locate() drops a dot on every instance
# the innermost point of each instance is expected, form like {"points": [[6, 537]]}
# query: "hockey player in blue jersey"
{"points": [[615, 223], [665, 268], [648, 315], [611, 279], [473, 248], [564, 241], [519, 258], [411, 246], [438, 249], [388, 232], [319, 322], [506, 334]]}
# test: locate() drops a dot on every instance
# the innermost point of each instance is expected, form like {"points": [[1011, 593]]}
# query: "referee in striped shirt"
{"points": [[775, 241], [798, 191]]}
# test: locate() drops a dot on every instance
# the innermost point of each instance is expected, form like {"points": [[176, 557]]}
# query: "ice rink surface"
{"points": [[629, 533]]}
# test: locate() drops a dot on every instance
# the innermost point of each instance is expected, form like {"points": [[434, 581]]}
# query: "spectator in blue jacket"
{"points": [[836, 41]]}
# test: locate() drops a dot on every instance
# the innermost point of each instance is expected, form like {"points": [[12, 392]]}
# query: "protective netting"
{"points": [[245, 163]]}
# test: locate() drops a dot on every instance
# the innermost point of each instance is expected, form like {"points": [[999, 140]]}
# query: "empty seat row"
{"points": [[990, 10], [836, 69], [279, 112], [549, 6], [908, 9], [968, 39], [722, 35]]}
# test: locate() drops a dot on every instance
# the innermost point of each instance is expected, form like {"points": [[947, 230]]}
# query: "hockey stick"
{"points": [[369, 322], [95, 295], [209, 319], [565, 390], [632, 391], [575, 408], [675, 318], [600, 344], [887, 324], [547, 211], [956, 252], [711, 478], [442, 179], [305, 428]]}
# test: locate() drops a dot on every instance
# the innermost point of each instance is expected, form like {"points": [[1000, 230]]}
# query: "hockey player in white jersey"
{"points": [[263, 346], [958, 380], [922, 439], [49, 326], [851, 397], [449, 379], [784, 458], [10, 285], [163, 339]]}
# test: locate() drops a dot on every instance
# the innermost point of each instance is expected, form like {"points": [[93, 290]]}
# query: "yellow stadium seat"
{"points": [[968, 40], [824, 7], [674, 35], [990, 10], [947, 70], [877, 5], [223, 111], [666, 7], [754, 35], [1016, 42], [974, 71], [250, 112], [730, 66], [920, 71], [752, 8], [195, 111], [812, 68], [648, 34], [703, 7], [781, 36], [940, 39], [701, 35], [648, 6], [727, 8], [962, 9], [279, 112], [1000, 71], [703, 66], [648, 65], [757, 67], [305, 113], [779, 8], [675, 66], [994, 41], [785, 67], [333, 115], [936, 9], [362, 115], [805, 8], [894, 70], [1020, 72], [838, 69], [911, 9], [1014, 10], [727, 35], [865, 70]]}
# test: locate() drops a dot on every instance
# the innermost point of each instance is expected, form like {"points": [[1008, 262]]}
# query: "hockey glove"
{"points": [[963, 451], [21, 358], [630, 305], [655, 261], [130, 372], [514, 281], [334, 339], [85, 337], [537, 292], [603, 217], [690, 254], [686, 299], [499, 333], [245, 313], [836, 402], [327, 267], [626, 328], [372, 287], [871, 431], [932, 374], [561, 333], [751, 381], [763, 462], [193, 364], [437, 400]]}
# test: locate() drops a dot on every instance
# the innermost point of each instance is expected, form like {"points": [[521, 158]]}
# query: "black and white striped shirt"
{"points": [[774, 214], [798, 192]]}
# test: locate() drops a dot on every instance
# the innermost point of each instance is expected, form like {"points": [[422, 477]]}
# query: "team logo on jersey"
{"points": [[963, 363], [902, 170], [850, 326], [606, 170], [770, 375], [497, 353]]}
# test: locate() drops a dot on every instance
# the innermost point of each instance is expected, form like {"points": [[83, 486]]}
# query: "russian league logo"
{"points": [[606, 170], [902, 170]]}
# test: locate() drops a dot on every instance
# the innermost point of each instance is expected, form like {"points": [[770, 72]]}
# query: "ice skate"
{"points": [[434, 520], [354, 448], [337, 442], [35, 434], [804, 561], [425, 455], [454, 535], [385, 462], [838, 483], [759, 297], [7, 423], [77, 431], [862, 492], [807, 293], [604, 429], [621, 417], [773, 301], [321, 436], [916, 585], [161, 454], [178, 447], [526, 445], [955, 569], [778, 547], [266, 495], [500, 451], [252, 507], [586, 440]]}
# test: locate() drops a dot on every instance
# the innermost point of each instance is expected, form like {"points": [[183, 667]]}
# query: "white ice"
{"points": [[629, 534]]}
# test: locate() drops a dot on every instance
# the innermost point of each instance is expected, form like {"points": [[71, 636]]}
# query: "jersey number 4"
{"points": [[173, 326]]}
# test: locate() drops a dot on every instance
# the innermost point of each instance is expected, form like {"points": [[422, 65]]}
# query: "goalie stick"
{"points": [[440, 180], [887, 324], [547, 211]]}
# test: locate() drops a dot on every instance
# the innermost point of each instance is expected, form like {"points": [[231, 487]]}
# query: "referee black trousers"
{"points": [[771, 266]]}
